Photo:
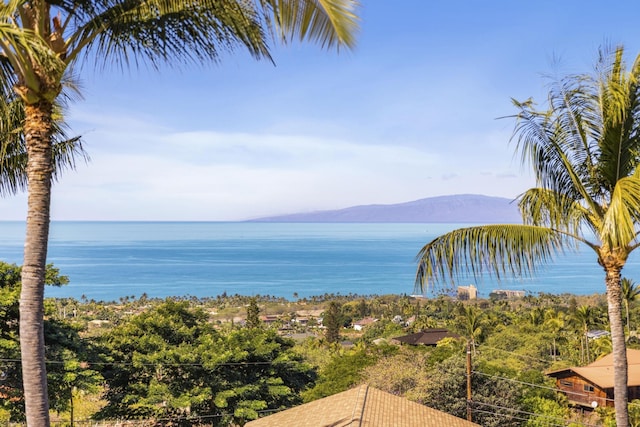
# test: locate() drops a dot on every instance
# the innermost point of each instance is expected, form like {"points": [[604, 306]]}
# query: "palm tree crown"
{"points": [[584, 150]]}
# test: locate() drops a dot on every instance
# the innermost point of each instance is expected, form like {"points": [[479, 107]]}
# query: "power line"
{"points": [[518, 411], [523, 356], [557, 390], [265, 363]]}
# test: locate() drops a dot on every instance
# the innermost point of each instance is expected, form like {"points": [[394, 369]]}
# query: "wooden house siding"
{"points": [[585, 385], [582, 392]]}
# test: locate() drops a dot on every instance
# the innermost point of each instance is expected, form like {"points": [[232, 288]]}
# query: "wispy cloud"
{"points": [[211, 175]]}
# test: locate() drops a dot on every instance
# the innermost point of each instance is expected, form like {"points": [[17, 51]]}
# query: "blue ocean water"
{"points": [[109, 260]]}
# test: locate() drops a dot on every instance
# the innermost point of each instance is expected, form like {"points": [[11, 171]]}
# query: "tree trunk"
{"points": [[586, 345], [37, 130], [626, 310], [620, 375]]}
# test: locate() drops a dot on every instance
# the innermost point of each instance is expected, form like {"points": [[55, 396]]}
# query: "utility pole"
{"points": [[469, 400]]}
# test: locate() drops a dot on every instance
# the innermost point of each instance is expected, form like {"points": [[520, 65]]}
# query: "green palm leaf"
{"points": [[495, 249], [13, 154], [619, 228], [316, 20]]}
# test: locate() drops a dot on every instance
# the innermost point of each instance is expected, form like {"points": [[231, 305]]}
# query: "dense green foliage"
{"points": [[253, 314], [65, 349], [170, 363], [331, 322], [342, 372]]}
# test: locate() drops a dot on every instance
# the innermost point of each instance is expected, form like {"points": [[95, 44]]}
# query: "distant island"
{"points": [[462, 208]]}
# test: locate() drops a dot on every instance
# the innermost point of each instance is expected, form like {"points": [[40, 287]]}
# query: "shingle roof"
{"points": [[600, 372], [362, 406], [427, 337]]}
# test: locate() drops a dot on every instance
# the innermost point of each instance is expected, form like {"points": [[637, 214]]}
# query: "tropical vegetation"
{"points": [[199, 361], [584, 149]]}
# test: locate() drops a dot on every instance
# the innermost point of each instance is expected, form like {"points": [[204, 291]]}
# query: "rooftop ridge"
{"points": [[360, 403]]}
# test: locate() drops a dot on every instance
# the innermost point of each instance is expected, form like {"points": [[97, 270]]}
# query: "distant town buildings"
{"points": [[506, 294], [470, 292], [467, 292]]}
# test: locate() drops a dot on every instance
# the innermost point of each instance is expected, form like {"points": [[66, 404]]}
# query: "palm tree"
{"points": [[536, 316], [554, 322], [584, 318], [584, 150], [472, 324], [42, 40], [630, 293]]}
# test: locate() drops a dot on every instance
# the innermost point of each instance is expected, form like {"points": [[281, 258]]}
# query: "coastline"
{"points": [[112, 259]]}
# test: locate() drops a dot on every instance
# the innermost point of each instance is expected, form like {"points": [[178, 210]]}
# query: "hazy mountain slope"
{"points": [[468, 208]]}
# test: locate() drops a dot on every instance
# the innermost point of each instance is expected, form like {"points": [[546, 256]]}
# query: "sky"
{"points": [[420, 108]]}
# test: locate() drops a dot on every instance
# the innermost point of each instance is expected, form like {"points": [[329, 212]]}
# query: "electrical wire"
{"points": [[266, 363], [518, 411]]}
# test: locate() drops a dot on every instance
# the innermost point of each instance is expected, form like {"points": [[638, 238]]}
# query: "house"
{"points": [[97, 323], [360, 324], [597, 334], [359, 407], [310, 313], [410, 321], [426, 337], [592, 385], [269, 318], [304, 321]]}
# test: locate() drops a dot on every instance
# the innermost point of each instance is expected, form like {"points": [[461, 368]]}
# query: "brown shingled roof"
{"points": [[426, 337], [600, 372], [362, 406]]}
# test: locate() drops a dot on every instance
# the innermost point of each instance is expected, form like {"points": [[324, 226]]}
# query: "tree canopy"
{"points": [[169, 362]]}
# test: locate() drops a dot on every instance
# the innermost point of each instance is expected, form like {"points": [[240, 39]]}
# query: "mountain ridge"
{"points": [[460, 208]]}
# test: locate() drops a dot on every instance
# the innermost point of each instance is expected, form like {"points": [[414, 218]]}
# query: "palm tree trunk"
{"points": [[626, 310], [620, 375], [37, 130], [586, 346]]}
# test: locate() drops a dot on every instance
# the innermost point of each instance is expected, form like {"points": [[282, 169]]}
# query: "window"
{"points": [[588, 387], [566, 383]]}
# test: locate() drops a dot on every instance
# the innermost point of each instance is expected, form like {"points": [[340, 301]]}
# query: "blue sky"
{"points": [[411, 113]]}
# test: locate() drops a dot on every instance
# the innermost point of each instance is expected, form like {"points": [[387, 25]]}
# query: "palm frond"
{"points": [[7, 77], [166, 31], [619, 141], [623, 215], [174, 31], [328, 22], [544, 208], [66, 151], [588, 138], [27, 54], [550, 150], [498, 250]]}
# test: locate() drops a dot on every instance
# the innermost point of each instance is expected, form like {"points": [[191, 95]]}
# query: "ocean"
{"points": [[106, 261]]}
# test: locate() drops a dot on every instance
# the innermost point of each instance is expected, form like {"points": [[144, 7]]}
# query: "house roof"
{"points": [[366, 321], [427, 337], [600, 372], [362, 406]]}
